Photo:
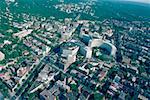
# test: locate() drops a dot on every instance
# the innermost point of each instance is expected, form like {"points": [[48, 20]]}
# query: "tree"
{"points": [[119, 57], [18, 85], [98, 96], [74, 87]]}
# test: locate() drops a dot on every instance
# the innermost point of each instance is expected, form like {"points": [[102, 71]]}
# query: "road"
{"points": [[25, 84], [52, 64], [35, 68]]}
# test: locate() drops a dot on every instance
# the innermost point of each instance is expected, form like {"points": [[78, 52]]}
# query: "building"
{"points": [[109, 47], [108, 32], [43, 76], [2, 56], [102, 75], [63, 85], [23, 33], [84, 50], [22, 71], [47, 95], [142, 97], [126, 60], [91, 41], [122, 95], [1, 96], [65, 35], [68, 52], [67, 31], [97, 41]]}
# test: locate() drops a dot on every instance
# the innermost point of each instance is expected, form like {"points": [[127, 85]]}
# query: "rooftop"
{"points": [[2, 56], [69, 46]]}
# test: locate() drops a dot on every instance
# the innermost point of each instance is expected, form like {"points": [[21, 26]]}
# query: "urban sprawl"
{"points": [[75, 59]]}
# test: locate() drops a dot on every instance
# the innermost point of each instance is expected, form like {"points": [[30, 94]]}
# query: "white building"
{"points": [[95, 43], [67, 31], [65, 35], [2, 56], [68, 54], [86, 51], [142, 97], [98, 42], [23, 33]]}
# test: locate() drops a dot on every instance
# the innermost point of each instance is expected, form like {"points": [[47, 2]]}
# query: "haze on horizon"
{"points": [[141, 1]]}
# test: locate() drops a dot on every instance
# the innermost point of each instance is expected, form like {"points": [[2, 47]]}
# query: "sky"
{"points": [[142, 1]]}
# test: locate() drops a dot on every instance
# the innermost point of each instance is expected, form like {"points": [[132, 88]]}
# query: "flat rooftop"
{"points": [[69, 45], [2, 56]]}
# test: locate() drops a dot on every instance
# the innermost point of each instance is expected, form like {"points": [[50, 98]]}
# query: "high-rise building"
{"points": [[68, 54]]}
